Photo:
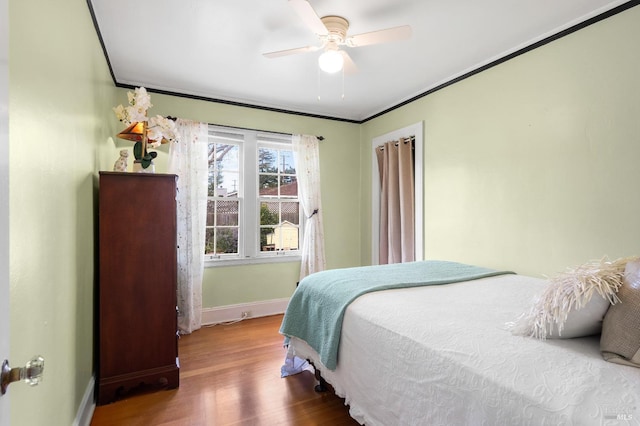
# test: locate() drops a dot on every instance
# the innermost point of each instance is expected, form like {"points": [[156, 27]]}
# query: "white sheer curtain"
{"points": [[307, 157], [188, 160]]}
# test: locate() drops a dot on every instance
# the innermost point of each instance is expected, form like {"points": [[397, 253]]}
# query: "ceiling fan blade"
{"points": [[349, 66], [309, 16], [287, 52], [382, 36]]}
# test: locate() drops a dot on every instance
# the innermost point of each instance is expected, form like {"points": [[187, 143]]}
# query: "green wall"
{"points": [[60, 96], [532, 165], [5, 407]]}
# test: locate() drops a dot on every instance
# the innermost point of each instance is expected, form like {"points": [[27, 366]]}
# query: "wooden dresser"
{"points": [[136, 308]]}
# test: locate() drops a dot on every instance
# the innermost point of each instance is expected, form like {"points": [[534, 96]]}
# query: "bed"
{"points": [[443, 354]]}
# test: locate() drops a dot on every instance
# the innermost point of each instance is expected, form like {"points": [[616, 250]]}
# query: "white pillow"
{"points": [[584, 321], [574, 303]]}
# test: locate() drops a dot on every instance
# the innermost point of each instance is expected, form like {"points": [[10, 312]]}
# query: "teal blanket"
{"points": [[316, 309]]}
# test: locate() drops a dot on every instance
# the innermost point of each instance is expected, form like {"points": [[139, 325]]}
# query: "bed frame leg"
{"points": [[322, 384]]}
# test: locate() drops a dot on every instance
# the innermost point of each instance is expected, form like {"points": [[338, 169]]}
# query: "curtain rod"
{"points": [[408, 139], [320, 138]]}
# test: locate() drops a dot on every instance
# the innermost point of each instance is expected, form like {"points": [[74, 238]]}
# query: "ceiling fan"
{"points": [[332, 32]]}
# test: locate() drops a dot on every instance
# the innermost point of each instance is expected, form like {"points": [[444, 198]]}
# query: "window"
{"points": [[253, 210]]}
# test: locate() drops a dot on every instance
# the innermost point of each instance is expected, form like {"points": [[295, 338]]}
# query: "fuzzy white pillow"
{"points": [[575, 302]]}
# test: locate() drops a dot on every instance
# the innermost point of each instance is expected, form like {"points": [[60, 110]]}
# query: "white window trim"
{"points": [[248, 251]]}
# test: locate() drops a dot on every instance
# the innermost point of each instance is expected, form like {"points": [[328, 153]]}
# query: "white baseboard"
{"points": [[87, 405], [234, 312]]}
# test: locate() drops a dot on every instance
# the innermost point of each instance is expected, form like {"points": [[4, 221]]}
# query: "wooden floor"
{"points": [[230, 375]]}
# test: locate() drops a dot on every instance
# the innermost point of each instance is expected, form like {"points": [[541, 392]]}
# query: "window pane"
{"points": [[268, 185], [226, 156], [288, 237], [290, 212], [267, 160], [211, 213], [224, 170], [267, 246], [226, 185], [227, 240], [209, 239], [222, 212], [227, 213], [269, 213], [288, 186], [282, 237], [221, 241], [286, 162]]}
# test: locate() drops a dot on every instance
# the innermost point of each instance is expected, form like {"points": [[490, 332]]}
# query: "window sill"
{"points": [[251, 261]]}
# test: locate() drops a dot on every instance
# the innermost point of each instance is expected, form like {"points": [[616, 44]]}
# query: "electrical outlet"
{"points": [[245, 314]]}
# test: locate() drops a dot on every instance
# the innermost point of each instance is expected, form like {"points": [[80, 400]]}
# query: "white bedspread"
{"points": [[442, 355]]}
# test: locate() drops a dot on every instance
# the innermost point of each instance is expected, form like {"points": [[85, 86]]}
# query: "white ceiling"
{"points": [[213, 49]]}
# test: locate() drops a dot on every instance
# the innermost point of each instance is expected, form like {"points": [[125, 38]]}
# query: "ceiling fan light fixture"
{"points": [[331, 61]]}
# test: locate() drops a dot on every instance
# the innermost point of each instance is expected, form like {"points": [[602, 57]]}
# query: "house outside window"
{"points": [[253, 211]]}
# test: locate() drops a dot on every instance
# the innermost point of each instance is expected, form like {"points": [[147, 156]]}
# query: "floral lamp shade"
{"points": [[133, 132]]}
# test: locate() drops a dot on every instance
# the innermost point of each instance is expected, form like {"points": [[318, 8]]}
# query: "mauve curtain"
{"points": [[188, 159], [396, 171], [306, 154]]}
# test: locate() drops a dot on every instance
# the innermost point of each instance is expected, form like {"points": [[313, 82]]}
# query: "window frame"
{"points": [[249, 200]]}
